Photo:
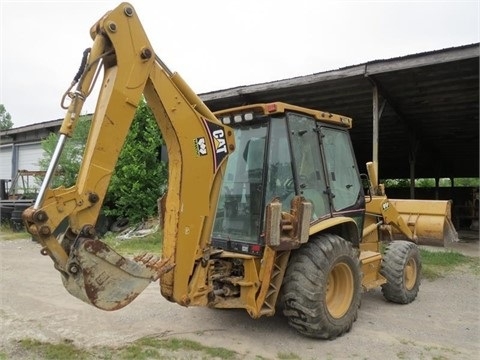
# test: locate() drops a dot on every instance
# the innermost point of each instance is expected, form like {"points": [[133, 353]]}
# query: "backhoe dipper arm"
{"points": [[197, 144]]}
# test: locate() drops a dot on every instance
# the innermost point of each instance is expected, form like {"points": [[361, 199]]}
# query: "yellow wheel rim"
{"points": [[410, 274], [340, 289]]}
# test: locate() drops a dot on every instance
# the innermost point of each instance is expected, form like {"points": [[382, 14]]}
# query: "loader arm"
{"points": [[425, 222], [197, 144]]}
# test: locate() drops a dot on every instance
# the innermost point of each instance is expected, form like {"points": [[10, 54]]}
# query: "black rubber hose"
{"points": [[81, 69]]}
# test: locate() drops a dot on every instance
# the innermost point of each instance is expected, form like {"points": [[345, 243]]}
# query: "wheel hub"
{"points": [[340, 289]]}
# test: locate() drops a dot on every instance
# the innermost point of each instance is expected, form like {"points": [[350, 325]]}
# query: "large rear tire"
{"points": [[401, 266], [322, 287]]}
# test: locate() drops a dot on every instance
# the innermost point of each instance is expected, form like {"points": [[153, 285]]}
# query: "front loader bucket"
{"points": [[429, 220]]}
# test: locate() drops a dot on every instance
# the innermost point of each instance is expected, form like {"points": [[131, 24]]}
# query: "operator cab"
{"points": [[283, 151]]}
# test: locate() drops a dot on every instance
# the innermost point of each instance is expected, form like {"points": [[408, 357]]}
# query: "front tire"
{"points": [[322, 287], [401, 266]]}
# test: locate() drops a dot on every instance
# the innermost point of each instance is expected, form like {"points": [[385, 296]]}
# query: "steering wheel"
{"points": [[289, 184]]}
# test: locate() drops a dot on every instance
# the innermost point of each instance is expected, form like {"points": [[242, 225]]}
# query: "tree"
{"points": [[139, 178], [5, 119], [71, 158], [396, 183]]}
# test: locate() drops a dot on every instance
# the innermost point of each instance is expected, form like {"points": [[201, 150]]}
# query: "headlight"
{"points": [[248, 116]]}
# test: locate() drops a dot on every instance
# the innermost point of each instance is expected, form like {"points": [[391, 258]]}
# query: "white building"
{"points": [[21, 148]]}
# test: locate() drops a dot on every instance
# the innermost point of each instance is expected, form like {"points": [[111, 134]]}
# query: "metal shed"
{"points": [[419, 111], [424, 108], [417, 114], [21, 149]]}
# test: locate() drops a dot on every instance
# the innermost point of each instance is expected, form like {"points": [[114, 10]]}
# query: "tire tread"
{"points": [[304, 287]]}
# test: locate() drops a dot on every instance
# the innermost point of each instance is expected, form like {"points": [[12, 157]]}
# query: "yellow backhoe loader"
{"points": [[265, 207]]}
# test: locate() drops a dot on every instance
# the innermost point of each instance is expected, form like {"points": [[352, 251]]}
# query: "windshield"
{"points": [[239, 211]]}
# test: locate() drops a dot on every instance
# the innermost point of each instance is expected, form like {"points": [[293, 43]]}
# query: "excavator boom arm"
{"points": [[197, 144]]}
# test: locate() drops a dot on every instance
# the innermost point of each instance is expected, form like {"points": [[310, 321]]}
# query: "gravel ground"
{"points": [[443, 323]]}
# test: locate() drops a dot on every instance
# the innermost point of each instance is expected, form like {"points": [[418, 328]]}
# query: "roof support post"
{"points": [[14, 160], [376, 115], [412, 160], [412, 178], [376, 129]]}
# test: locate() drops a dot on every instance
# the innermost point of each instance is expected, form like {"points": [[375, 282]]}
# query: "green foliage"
{"points": [[430, 183], [140, 177], [72, 154], [396, 183], [467, 182], [426, 183], [5, 119]]}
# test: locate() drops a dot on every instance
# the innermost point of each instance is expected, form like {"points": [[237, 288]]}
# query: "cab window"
{"points": [[341, 168]]}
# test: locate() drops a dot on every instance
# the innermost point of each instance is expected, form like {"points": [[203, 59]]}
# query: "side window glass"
{"points": [[308, 163], [341, 167]]}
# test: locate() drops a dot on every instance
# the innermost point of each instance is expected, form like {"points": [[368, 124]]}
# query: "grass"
{"points": [[288, 356], [436, 264], [429, 349], [9, 234], [142, 349], [65, 350], [151, 243], [177, 345]]}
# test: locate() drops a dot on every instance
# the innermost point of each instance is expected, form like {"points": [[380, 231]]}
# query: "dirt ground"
{"points": [[443, 323]]}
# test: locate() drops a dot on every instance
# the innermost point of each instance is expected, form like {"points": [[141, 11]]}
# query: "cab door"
{"points": [[308, 163], [342, 172]]}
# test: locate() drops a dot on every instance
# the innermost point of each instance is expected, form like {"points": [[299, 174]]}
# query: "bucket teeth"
{"points": [[154, 263]]}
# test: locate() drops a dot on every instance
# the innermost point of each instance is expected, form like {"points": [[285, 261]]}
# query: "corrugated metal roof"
{"points": [[431, 108]]}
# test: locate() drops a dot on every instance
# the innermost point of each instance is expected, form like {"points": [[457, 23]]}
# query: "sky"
{"points": [[219, 44]]}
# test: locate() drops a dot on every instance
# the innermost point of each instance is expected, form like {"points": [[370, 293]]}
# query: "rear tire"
{"points": [[401, 266], [322, 287]]}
